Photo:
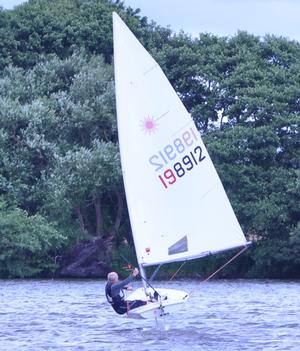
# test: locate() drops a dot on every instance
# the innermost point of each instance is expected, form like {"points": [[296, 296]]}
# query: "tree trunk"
{"points": [[120, 208], [221, 122], [89, 226], [80, 217], [99, 217], [205, 125], [113, 232]]}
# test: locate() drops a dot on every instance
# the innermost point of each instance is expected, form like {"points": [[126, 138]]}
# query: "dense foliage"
{"points": [[28, 244], [60, 176]]}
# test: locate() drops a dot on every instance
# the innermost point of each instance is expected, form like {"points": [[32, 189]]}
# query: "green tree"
{"points": [[243, 93], [28, 244], [58, 131], [57, 119], [88, 183], [60, 27]]}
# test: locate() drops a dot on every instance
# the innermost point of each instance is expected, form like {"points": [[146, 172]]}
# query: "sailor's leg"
{"points": [[135, 304]]}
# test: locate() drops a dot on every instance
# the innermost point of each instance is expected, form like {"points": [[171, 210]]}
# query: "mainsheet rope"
{"points": [[178, 270], [217, 271]]}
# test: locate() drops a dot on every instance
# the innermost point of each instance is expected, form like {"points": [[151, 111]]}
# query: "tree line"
{"points": [[60, 174]]}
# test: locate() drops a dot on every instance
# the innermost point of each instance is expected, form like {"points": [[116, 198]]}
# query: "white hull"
{"points": [[170, 302]]}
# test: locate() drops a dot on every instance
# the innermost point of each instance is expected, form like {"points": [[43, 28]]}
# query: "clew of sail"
{"points": [[177, 205]]}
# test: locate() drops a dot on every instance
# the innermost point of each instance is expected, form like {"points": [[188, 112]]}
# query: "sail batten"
{"points": [[177, 205]]}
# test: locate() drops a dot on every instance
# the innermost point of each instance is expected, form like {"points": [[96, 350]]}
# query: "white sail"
{"points": [[177, 205]]}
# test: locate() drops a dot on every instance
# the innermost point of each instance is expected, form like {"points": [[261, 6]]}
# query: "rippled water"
{"points": [[220, 315]]}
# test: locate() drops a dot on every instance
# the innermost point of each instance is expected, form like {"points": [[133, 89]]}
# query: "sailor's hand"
{"points": [[129, 288], [135, 272]]}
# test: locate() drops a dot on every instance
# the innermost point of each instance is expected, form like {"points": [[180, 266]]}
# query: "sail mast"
{"points": [[117, 39], [144, 277]]}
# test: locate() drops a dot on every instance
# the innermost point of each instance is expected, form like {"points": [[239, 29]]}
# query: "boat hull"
{"points": [[169, 302]]}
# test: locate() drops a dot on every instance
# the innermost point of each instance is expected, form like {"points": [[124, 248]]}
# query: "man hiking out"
{"points": [[116, 296]]}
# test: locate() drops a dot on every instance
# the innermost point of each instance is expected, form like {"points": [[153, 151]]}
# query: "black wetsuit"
{"points": [[116, 297]]}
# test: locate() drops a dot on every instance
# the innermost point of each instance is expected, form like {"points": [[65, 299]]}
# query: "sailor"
{"points": [[116, 296]]}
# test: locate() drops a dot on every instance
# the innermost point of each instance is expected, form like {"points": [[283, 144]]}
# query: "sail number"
{"points": [[180, 156], [171, 151], [187, 163]]}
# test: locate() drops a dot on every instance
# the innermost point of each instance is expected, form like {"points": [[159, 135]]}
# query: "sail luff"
{"points": [[121, 136]]}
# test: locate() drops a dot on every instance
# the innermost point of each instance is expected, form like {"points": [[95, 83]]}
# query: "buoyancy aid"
{"points": [[118, 302]]}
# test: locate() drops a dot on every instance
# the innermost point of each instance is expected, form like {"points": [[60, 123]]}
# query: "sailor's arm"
{"points": [[117, 287]]}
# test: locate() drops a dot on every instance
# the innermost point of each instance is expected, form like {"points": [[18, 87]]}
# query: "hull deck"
{"points": [[169, 302]]}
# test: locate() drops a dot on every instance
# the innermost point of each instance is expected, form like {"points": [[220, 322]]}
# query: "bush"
{"points": [[28, 244]]}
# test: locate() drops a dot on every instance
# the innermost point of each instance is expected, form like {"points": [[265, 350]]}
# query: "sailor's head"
{"points": [[112, 277]]}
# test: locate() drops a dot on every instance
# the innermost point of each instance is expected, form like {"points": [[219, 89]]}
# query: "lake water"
{"points": [[220, 315]]}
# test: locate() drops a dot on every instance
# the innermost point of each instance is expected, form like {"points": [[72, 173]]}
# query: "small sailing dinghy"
{"points": [[177, 205]]}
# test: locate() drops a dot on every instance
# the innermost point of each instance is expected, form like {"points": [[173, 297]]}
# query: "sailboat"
{"points": [[177, 205]]}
